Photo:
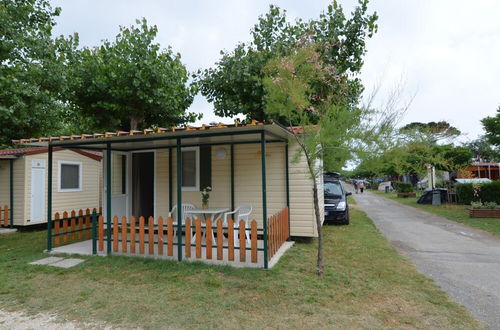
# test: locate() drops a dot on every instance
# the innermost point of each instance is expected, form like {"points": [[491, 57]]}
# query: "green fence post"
{"points": [[108, 197], [232, 177], [94, 233], [264, 194], [49, 200], [11, 162], [179, 200], [287, 178]]}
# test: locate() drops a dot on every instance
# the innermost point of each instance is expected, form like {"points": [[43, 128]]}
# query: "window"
{"points": [[190, 169], [70, 176]]}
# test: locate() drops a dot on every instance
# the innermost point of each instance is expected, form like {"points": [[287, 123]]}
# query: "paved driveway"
{"points": [[464, 261]]}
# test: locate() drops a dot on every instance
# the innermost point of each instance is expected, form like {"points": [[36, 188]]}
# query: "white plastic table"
{"points": [[214, 213]]}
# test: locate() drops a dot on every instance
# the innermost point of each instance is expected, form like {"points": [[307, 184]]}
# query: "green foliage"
{"points": [[236, 84], [486, 192], [402, 187], [485, 206], [130, 83], [492, 127], [490, 192], [30, 70], [482, 150], [430, 132]]}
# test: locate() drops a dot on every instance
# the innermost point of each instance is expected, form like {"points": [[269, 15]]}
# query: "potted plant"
{"points": [[405, 189], [484, 210], [205, 196]]}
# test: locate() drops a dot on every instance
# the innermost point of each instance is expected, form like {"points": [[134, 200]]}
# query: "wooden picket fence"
{"points": [[133, 238], [278, 231], [4, 216], [73, 226]]}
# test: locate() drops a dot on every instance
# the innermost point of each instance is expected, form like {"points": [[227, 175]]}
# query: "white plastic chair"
{"points": [[242, 212], [173, 214]]}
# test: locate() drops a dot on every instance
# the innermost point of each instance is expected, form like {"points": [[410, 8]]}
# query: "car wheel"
{"points": [[346, 222]]}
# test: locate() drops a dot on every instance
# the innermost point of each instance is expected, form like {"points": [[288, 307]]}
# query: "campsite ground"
{"points": [[367, 284], [455, 212]]}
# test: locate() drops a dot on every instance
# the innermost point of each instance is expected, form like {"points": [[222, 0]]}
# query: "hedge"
{"points": [[489, 192], [404, 187]]}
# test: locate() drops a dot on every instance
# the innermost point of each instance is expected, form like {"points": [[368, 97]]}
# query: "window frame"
{"points": [[80, 176], [197, 168]]}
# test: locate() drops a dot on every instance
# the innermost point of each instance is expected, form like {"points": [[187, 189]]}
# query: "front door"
{"points": [[143, 168], [119, 184], [37, 190]]}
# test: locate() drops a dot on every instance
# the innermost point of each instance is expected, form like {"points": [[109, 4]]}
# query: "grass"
{"points": [[455, 212], [366, 284]]}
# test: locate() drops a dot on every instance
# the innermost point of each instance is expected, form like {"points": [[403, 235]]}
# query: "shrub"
{"points": [[465, 193], [404, 187], [487, 205], [490, 192]]}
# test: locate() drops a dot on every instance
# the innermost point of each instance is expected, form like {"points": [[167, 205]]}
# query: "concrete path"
{"points": [[464, 261]]}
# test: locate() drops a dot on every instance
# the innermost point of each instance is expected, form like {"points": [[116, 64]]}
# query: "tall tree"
{"points": [[131, 83], [293, 85], [431, 132], [492, 127], [30, 70], [235, 85]]}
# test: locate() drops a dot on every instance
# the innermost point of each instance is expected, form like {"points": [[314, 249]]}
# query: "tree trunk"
{"points": [[319, 261], [134, 121]]}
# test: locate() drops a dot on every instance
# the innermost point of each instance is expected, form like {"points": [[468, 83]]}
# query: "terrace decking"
{"points": [[236, 244], [85, 248]]}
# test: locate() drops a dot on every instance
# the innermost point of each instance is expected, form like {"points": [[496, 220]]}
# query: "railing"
{"points": [[132, 238], [278, 232], [4, 216], [73, 226]]}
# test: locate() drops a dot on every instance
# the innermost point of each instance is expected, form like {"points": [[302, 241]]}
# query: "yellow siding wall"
{"points": [[19, 188], [67, 201], [248, 188]]}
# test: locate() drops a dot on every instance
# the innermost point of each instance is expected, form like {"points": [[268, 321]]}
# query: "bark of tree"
{"points": [[319, 260], [134, 121]]}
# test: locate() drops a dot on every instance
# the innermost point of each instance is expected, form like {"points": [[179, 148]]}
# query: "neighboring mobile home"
{"points": [[23, 177], [151, 169]]}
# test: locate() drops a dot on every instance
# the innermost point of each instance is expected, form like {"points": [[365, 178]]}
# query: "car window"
{"points": [[333, 189]]}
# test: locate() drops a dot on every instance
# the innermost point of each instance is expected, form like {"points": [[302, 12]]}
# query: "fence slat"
{"points": [[151, 236], [88, 224], [170, 237], [80, 224], [198, 238], [253, 240], [208, 239], [73, 225], [219, 240], [124, 234], [101, 233], [2, 220], [65, 227], [115, 234], [243, 250], [160, 236], [141, 235], [132, 234], [56, 229], [187, 247], [6, 215], [230, 239]]}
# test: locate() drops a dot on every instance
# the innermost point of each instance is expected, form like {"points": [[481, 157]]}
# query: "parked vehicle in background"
{"points": [[336, 205]]}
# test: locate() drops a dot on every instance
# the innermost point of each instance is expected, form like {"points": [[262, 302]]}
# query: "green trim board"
{"points": [[49, 198], [179, 198], [264, 196], [11, 192], [108, 196]]}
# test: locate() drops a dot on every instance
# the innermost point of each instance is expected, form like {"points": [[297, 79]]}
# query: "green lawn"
{"points": [[367, 284], [458, 213]]}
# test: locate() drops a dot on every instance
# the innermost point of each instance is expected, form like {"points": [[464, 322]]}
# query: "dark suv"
{"points": [[336, 207]]}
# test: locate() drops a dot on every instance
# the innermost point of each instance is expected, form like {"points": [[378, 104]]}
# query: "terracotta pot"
{"points": [[205, 206]]}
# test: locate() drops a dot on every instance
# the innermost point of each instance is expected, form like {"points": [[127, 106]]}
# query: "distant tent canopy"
{"points": [[476, 180]]}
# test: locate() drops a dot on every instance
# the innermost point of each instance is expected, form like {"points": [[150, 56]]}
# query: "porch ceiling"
{"points": [[188, 137]]}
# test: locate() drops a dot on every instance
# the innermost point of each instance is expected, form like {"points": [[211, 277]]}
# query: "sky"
{"points": [[443, 55]]}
